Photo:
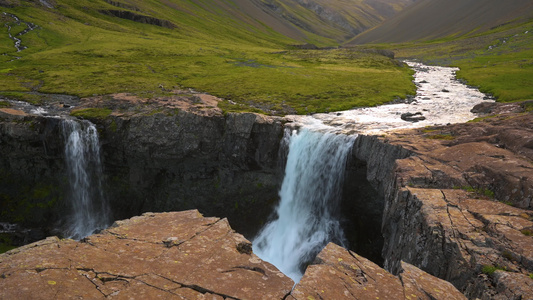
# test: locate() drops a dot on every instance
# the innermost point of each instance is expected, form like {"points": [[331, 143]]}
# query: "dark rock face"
{"points": [[31, 165], [363, 202], [128, 15], [221, 165], [9, 3]]}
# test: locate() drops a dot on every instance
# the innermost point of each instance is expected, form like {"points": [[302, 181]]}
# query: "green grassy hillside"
{"points": [[498, 61], [338, 19], [490, 41], [149, 47]]}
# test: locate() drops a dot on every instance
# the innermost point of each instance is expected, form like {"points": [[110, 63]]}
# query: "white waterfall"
{"points": [[89, 210], [307, 215]]}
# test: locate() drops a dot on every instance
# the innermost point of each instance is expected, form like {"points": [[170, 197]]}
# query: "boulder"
{"points": [[413, 117]]}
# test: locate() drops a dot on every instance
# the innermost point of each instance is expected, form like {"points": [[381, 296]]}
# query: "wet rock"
{"points": [[132, 260], [413, 117], [484, 108]]}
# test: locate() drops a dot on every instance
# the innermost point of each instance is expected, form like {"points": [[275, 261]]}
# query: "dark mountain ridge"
{"points": [[433, 19]]}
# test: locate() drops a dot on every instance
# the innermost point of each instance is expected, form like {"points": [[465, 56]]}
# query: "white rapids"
{"points": [[307, 217], [440, 98]]}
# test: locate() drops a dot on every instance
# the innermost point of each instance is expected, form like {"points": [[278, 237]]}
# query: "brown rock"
{"points": [[12, 112], [341, 274], [462, 203], [418, 284], [170, 255]]}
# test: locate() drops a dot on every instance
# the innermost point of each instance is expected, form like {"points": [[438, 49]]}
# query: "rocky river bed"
{"points": [[440, 99]]}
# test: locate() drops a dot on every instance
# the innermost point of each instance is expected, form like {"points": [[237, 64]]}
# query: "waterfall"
{"points": [[89, 210], [308, 212]]}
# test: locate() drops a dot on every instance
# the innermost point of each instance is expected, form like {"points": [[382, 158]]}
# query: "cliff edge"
{"points": [[183, 255]]}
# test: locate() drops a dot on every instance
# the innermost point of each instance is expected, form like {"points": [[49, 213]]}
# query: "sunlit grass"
{"points": [[79, 51], [499, 62]]}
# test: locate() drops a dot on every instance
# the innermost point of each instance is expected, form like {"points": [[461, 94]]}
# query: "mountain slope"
{"points": [[337, 19], [318, 21], [238, 50], [432, 19]]}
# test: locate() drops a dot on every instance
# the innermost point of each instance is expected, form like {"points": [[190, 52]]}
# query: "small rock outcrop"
{"points": [[338, 273], [128, 15], [413, 117]]}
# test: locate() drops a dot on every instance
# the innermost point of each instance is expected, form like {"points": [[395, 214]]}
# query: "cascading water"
{"points": [[310, 194], [308, 213], [89, 210]]}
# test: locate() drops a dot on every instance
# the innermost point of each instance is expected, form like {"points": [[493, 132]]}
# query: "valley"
{"points": [[365, 148]]}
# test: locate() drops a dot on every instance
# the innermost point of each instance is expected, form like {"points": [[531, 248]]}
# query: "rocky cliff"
{"points": [[459, 207], [175, 153], [454, 201], [31, 165], [183, 255], [175, 159]]}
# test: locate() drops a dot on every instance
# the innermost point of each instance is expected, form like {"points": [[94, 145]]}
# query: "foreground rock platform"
{"points": [[155, 256], [183, 255]]}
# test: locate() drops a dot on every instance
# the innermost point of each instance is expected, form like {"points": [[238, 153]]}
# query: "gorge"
{"points": [[165, 158], [266, 149]]}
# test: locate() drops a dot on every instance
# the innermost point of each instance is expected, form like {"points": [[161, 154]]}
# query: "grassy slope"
{"points": [[79, 51], [339, 19], [486, 39]]}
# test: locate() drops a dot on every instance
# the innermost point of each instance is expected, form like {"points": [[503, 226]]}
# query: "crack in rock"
{"points": [[254, 269], [199, 289]]}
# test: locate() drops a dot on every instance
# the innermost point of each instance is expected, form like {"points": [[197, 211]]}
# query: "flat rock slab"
{"points": [[179, 255]]}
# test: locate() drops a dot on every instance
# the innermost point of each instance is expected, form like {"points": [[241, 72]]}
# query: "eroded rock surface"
{"points": [[341, 274], [183, 255], [179, 255], [460, 207]]}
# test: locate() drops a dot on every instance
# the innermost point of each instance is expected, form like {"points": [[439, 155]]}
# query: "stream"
{"points": [[15, 37], [440, 99], [308, 217]]}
